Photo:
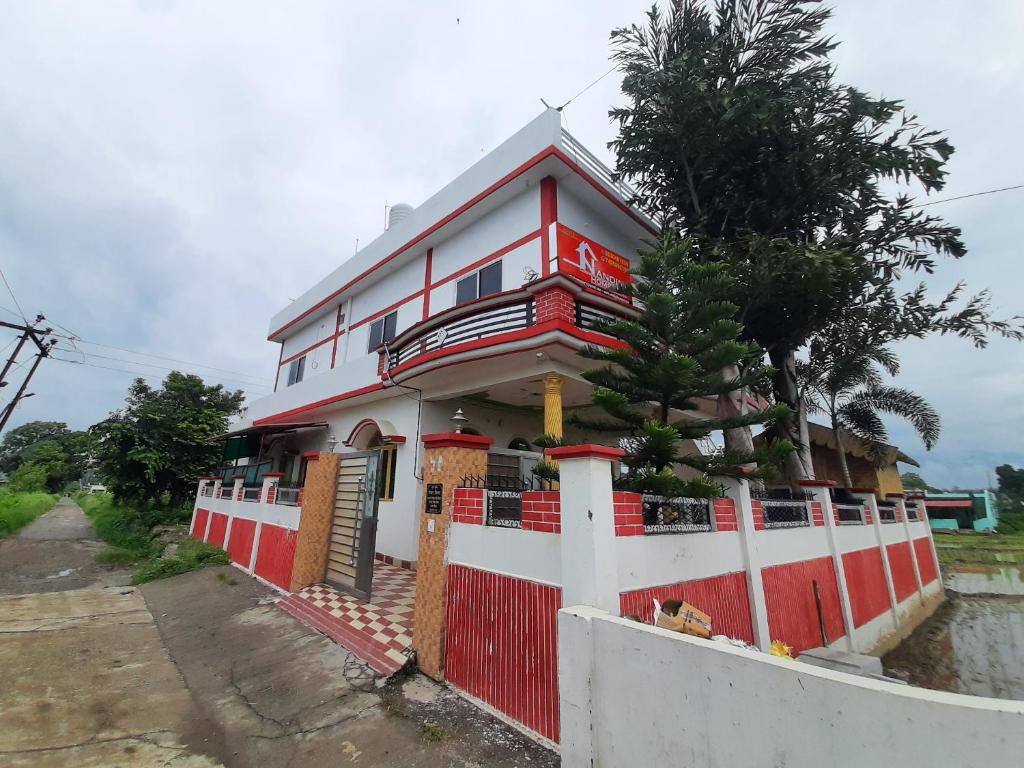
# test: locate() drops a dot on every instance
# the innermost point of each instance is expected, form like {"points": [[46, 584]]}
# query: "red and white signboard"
{"points": [[591, 262]]}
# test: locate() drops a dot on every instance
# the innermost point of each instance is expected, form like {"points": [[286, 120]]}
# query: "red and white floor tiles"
{"points": [[379, 632]]}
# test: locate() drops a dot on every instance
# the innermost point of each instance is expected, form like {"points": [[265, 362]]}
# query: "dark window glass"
{"points": [[465, 289], [376, 335], [295, 370], [490, 279], [390, 324]]}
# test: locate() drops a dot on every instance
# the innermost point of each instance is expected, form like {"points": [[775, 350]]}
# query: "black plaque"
{"points": [[435, 498]]}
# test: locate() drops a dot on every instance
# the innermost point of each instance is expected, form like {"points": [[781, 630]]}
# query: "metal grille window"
{"points": [[289, 496], [783, 509], [849, 513], [505, 509], [676, 515], [886, 511], [911, 511]]}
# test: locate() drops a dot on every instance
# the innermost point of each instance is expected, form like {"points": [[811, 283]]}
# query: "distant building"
{"points": [[962, 510], [865, 471]]}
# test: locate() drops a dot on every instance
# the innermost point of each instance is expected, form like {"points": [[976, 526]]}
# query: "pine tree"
{"points": [[674, 354]]}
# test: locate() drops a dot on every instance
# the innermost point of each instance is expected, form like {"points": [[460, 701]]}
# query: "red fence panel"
{"points": [[276, 555], [925, 562], [240, 544], [199, 529], [792, 611], [502, 645], [865, 579], [902, 567], [724, 598], [218, 528]]}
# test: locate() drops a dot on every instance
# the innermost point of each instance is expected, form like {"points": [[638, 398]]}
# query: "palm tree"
{"points": [[848, 387]]}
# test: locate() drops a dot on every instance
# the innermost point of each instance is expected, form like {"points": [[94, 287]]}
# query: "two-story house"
{"points": [[476, 302]]}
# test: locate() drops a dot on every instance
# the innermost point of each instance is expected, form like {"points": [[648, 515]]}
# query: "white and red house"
{"points": [[478, 301]]}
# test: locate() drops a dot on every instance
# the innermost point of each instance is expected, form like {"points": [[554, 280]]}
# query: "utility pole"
{"points": [[38, 338], [44, 351], [26, 334]]}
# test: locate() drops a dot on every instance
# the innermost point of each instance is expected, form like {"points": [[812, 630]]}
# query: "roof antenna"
{"points": [[357, 246], [557, 109], [386, 206]]}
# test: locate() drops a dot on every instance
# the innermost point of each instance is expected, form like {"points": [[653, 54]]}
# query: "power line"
{"points": [[595, 82], [973, 194], [192, 363], [11, 291], [141, 374]]}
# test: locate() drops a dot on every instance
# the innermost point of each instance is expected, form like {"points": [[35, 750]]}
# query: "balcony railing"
{"points": [[596, 168], [488, 322]]}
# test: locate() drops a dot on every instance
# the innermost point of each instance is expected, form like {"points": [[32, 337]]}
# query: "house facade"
{"points": [[477, 300]]}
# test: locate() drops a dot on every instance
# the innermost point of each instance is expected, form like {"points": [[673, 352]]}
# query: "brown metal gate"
{"points": [[351, 546]]}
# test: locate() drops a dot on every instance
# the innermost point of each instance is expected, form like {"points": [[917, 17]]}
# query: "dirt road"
{"points": [[201, 670]]}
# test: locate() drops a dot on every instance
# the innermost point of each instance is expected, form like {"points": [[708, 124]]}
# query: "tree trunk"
{"points": [[733, 404], [798, 464], [847, 479]]}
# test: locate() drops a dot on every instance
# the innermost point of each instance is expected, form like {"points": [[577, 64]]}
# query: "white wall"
{"points": [[320, 327], [634, 695], [588, 222], [652, 561], [513, 552], [777, 546]]}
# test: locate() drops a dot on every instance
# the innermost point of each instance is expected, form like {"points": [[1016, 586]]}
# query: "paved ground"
{"points": [[202, 670]]}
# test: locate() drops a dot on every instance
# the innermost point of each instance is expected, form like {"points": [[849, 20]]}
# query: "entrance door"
{"points": [[354, 529]]}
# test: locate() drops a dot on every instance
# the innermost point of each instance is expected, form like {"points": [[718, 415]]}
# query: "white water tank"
{"points": [[399, 212]]}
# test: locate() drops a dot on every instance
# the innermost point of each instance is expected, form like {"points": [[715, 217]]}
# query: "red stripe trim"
{"points": [[427, 271], [548, 215], [307, 350], [492, 257], [284, 415], [387, 310], [277, 376], [536, 159]]}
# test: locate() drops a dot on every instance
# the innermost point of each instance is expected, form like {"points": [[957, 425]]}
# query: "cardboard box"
{"points": [[680, 616]]}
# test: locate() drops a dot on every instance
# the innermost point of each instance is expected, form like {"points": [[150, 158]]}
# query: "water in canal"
{"points": [[974, 643]]}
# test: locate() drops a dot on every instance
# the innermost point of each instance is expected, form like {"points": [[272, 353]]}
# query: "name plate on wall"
{"points": [[435, 498]]}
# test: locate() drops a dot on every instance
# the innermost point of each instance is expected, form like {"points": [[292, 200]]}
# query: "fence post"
{"points": [[901, 511], [922, 514], [268, 493], [820, 490], [739, 490], [447, 458], [203, 482], [590, 574], [867, 495]]}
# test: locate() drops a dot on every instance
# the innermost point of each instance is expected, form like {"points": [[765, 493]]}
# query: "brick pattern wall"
{"points": [[315, 522], [555, 304], [542, 511], [446, 465], [758, 510], [869, 519], [271, 494], [468, 505], [817, 515], [725, 515], [629, 513]]}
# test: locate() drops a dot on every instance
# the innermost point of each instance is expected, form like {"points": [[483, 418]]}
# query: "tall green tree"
{"points": [[655, 389], [155, 447], [18, 439], [56, 453], [737, 130]]}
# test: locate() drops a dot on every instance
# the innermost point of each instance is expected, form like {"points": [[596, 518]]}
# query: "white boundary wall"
{"points": [[635, 695]]}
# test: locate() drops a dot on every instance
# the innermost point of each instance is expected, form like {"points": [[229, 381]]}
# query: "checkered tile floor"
{"points": [[380, 631]]}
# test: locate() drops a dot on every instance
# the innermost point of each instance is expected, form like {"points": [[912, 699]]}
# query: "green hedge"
{"points": [[19, 509]]}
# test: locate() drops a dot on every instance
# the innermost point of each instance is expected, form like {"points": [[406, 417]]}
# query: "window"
{"points": [[296, 368], [382, 331], [388, 465], [483, 283]]}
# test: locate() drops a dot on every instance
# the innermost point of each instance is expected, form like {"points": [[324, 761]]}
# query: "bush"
{"points": [[191, 556], [19, 509], [128, 527], [28, 478]]}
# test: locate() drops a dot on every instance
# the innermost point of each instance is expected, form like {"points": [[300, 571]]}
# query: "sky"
{"points": [[172, 173]]}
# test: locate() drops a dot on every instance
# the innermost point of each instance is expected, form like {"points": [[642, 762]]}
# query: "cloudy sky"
{"points": [[171, 173]]}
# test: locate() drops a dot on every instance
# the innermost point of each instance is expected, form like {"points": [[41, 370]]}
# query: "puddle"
{"points": [[974, 643]]}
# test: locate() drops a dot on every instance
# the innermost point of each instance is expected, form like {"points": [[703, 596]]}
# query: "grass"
{"points": [[128, 532], [19, 509], [980, 548]]}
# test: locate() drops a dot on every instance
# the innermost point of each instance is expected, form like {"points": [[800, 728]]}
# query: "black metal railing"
{"points": [[911, 511], [593, 318], [288, 496], [783, 508], [480, 325], [226, 491], [251, 494], [675, 515], [886, 511], [504, 496]]}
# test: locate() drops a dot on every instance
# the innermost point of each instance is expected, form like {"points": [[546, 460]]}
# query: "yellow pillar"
{"points": [[553, 405]]}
